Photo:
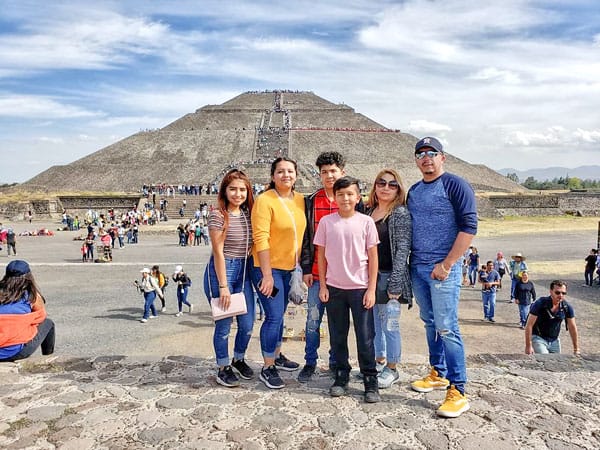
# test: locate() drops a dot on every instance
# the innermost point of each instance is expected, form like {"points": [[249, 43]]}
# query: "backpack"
{"points": [[164, 278]]}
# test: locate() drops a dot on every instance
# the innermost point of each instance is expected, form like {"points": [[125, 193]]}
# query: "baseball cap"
{"points": [[429, 142], [178, 269], [145, 270], [17, 268]]}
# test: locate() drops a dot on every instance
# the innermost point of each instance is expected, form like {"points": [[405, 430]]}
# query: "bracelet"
{"points": [[443, 268], [222, 286]]}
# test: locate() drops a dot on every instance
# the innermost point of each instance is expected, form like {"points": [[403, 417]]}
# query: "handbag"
{"points": [[237, 304]]}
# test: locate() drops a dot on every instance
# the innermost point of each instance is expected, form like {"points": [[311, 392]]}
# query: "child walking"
{"points": [[347, 259]]}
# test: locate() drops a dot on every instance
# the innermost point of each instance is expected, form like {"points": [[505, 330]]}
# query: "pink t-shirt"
{"points": [[346, 241]]}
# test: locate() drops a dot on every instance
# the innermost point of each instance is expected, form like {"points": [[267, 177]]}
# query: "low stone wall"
{"points": [[15, 211], [578, 203]]}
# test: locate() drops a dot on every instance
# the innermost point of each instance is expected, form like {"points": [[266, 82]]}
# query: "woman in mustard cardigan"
{"points": [[23, 322], [278, 224]]}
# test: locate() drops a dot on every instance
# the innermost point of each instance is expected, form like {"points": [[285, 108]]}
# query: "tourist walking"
{"points": [[524, 297], [278, 224], [590, 266], [387, 207], [500, 266], [150, 289], [183, 282], [443, 204], [546, 315], [228, 272], [517, 267]]}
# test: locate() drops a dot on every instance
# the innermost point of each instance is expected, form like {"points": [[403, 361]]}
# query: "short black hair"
{"points": [[344, 182], [557, 283], [330, 158]]}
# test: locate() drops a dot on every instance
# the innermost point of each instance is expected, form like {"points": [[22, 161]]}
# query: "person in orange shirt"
{"points": [[24, 325]]}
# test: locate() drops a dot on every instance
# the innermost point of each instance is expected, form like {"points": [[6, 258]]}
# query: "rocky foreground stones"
{"points": [[115, 402]]}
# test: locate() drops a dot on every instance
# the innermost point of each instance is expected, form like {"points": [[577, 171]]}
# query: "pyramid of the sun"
{"points": [[249, 131]]}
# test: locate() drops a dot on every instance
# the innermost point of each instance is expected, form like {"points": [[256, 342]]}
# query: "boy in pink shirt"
{"points": [[347, 258]]}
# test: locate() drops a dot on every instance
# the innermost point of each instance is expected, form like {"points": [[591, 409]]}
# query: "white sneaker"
{"points": [[143, 320], [178, 314], [164, 308], [153, 317], [191, 308], [387, 377]]}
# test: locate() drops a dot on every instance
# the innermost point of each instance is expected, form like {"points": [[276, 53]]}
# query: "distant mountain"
{"points": [[549, 173]]}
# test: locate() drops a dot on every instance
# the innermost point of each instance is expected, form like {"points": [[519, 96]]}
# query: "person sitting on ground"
{"points": [[545, 318], [24, 325]]}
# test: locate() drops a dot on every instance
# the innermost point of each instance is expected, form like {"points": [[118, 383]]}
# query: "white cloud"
{"points": [[553, 136], [587, 136], [424, 126], [494, 74], [30, 106], [51, 140]]}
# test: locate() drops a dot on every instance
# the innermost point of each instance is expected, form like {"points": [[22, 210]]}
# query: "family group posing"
{"points": [[355, 260]]}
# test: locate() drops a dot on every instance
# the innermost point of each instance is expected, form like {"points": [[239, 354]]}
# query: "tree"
{"points": [[513, 177]]}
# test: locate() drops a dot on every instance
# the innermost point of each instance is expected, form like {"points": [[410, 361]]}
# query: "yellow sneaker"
{"points": [[454, 405], [430, 382]]}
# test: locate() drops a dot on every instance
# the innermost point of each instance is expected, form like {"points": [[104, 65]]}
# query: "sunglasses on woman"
{"points": [[393, 184]]}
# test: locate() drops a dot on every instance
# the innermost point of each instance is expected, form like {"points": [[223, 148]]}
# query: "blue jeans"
{"points": [[314, 317], [489, 303], [234, 268], [513, 284], [271, 330], [541, 345], [182, 293], [149, 304], [388, 342], [341, 303], [473, 274], [438, 305], [523, 313]]}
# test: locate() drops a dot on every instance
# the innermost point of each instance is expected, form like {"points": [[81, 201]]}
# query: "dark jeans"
{"points": [[44, 336], [341, 303]]}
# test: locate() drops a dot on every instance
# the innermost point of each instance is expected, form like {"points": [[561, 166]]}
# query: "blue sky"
{"points": [[508, 83]]}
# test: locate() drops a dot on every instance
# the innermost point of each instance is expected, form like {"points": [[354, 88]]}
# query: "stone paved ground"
{"points": [[173, 402], [90, 397]]}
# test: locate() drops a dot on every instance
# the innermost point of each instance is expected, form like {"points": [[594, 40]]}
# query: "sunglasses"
{"points": [[430, 153], [560, 293], [393, 184]]}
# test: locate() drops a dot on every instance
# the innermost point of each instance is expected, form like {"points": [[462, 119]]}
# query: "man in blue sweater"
{"points": [[444, 222]]}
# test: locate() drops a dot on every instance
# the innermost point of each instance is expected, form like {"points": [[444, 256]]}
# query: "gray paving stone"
{"points": [[433, 439], [45, 412], [333, 425]]}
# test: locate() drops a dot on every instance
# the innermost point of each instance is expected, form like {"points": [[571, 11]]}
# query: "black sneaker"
{"points": [[306, 372], [226, 377], [243, 369], [271, 378], [282, 363]]}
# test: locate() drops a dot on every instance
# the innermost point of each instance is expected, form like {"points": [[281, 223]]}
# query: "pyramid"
{"points": [[248, 132]]}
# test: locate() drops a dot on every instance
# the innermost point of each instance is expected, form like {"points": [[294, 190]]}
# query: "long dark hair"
{"points": [[274, 168], [13, 288], [234, 174]]}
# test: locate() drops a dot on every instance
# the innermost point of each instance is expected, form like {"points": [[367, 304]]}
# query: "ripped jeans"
{"points": [[438, 306], [388, 343], [314, 317], [234, 267]]}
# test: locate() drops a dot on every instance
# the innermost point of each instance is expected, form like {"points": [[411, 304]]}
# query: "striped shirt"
{"points": [[239, 232]]}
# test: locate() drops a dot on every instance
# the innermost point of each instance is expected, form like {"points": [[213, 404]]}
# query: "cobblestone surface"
{"points": [[117, 402]]}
